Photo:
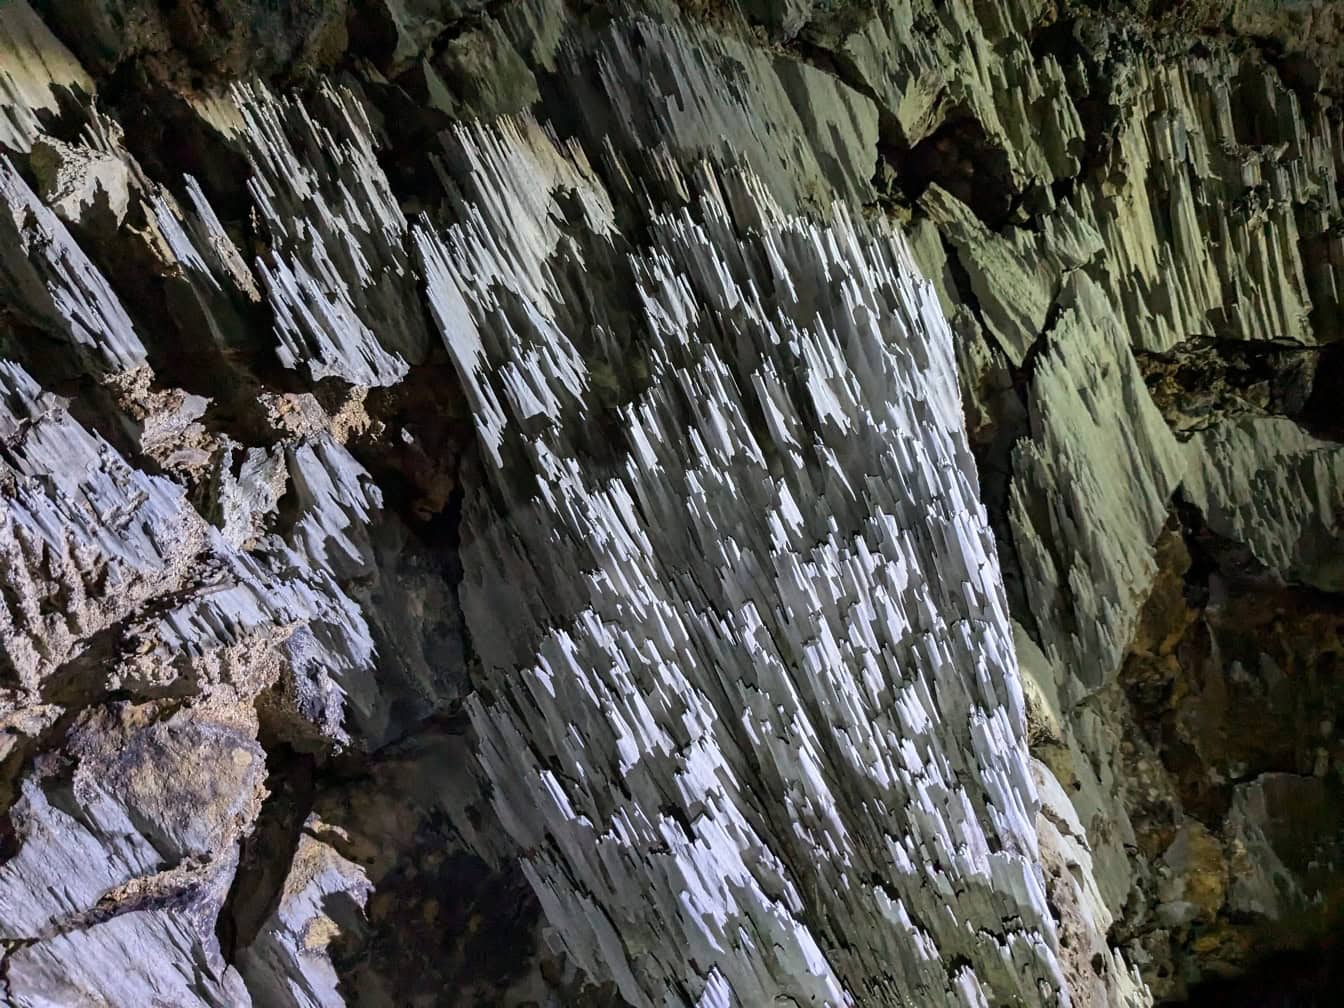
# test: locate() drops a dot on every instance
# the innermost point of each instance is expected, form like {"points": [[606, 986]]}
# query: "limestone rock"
{"points": [[338, 265], [667, 503], [1265, 483], [34, 65], [322, 896], [1085, 479], [664, 727]]}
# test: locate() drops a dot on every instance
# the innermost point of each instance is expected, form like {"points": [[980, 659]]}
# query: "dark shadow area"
{"points": [[960, 157], [1312, 978]]}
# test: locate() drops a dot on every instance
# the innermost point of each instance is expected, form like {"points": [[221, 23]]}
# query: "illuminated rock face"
{"points": [[541, 503], [753, 708]]}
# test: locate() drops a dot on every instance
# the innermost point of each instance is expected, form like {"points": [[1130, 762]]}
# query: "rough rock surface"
{"points": [[670, 503]]}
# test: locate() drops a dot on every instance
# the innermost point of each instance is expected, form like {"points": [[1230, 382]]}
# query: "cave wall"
{"points": [[669, 503]]}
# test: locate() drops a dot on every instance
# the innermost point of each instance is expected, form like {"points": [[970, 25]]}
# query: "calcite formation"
{"points": [[667, 503]]}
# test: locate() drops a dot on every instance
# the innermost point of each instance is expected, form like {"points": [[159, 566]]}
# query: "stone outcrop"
{"points": [[664, 503]]}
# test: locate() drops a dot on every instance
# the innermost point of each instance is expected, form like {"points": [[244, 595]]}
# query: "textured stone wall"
{"points": [[667, 503]]}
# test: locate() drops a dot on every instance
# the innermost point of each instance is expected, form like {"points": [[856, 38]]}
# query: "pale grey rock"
{"points": [[130, 852], [140, 957], [286, 965], [172, 433], [1090, 492], [808, 136], [1264, 482], [46, 274], [924, 60], [78, 178], [751, 706], [248, 501], [122, 865], [1017, 277], [338, 277], [601, 693], [198, 242], [225, 622], [148, 803], [1040, 689], [63, 867], [1199, 224], [86, 538], [33, 64], [1216, 205], [512, 172], [336, 501], [1097, 974], [127, 553], [1082, 741], [235, 634]]}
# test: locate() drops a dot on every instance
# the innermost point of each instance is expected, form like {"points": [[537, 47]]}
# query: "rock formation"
{"points": [[668, 503]]}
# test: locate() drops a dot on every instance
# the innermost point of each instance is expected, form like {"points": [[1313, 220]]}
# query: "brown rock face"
{"points": [[1235, 685]]}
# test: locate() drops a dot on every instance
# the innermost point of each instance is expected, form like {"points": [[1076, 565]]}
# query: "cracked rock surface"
{"points": [[668, 503]]}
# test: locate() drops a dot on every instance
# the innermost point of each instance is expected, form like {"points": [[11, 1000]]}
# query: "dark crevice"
{"points": [[1025, 373], [70, 117], [1091, 74], [965, 289], [265, 855], [47, 359], [1212, 554], [960, 157], [468, 21], [441, 922], [1323, 412], [195, 46], [169, 139], [1301, 978]]}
